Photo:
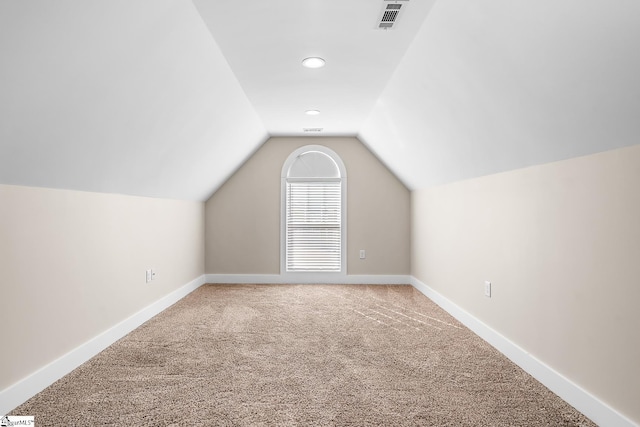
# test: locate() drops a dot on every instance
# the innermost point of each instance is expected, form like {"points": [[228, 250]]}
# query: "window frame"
{"points": [[313, 276]]}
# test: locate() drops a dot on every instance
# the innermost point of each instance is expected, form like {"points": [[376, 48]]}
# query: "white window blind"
{"points": [[313, 233]]}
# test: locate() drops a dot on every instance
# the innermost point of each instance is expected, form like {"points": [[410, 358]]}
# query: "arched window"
{"points": [[313, 212]]}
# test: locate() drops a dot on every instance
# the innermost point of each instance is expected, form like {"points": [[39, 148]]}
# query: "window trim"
{"points": [[313, 276]]}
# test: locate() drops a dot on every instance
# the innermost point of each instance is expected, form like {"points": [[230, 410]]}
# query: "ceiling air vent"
{"points": [[312, 129], [391, 10]]}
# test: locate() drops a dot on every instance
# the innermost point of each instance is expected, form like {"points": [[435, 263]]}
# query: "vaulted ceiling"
{"points": [[166, 98]]}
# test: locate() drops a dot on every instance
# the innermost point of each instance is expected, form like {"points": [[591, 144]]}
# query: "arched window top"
{"points": [[313, 161], [313, 164]]}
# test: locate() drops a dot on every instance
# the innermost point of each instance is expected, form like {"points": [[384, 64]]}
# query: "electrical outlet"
{"points": [[487, 289], [363, 254], [148, 275]]}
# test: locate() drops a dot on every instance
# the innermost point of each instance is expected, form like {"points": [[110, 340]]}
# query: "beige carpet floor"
{"points": [[300, 355]]}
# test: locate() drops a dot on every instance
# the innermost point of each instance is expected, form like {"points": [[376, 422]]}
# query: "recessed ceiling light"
{"points": [[312, 112], [313, 62]]}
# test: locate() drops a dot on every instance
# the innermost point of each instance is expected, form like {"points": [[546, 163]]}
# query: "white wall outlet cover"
{"points": [[363, 254], [487, 288], [148, 275]]}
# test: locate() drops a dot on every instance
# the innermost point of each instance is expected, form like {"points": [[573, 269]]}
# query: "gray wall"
{"points": [[243, 216], [561, 245]]}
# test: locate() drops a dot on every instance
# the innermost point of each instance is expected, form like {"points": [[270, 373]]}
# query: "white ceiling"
{"points": [[495, 85], [266, 41], [118, 96], [166, 98]]}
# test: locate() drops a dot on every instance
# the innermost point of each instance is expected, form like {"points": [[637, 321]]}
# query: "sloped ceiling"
{"points": [[166, 98], [495, 85], [119, 96]]}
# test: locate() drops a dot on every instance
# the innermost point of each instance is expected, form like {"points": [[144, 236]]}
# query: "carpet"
{"points": [[300, 355]]}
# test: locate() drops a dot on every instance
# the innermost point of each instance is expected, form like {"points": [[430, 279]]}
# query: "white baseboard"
{"points": [[354, 279], [598, 411], [28, 387]]}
